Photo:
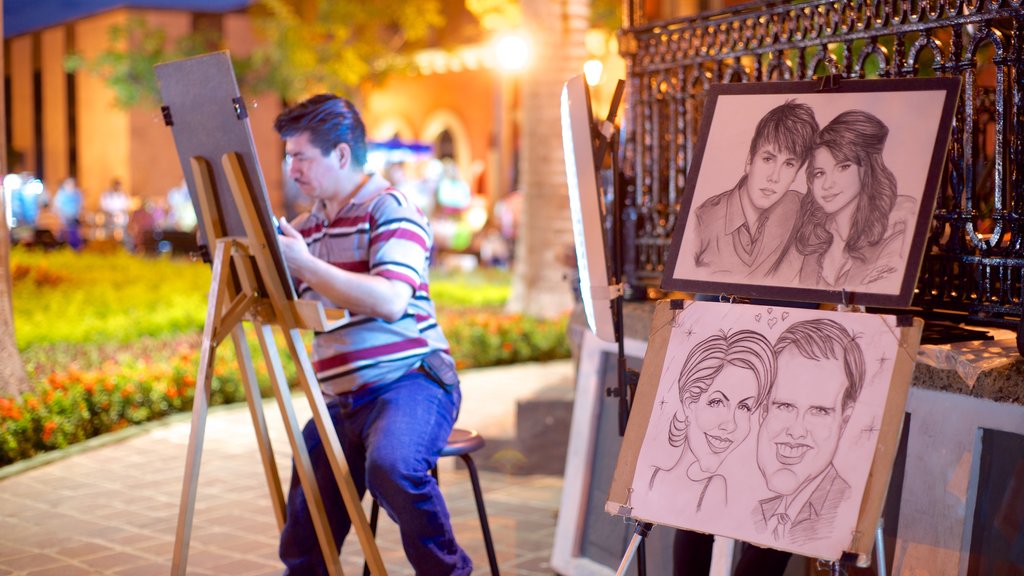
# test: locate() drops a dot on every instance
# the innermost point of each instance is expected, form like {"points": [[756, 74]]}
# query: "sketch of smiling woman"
{"points": [[853, 231], [724, 379]]}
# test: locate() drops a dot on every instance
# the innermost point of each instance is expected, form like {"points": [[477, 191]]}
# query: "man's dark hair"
{"points": [[790, 127], [330, 120], [821, 338]]}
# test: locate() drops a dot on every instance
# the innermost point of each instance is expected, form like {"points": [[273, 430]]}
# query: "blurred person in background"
{"points": [[68, 204]]}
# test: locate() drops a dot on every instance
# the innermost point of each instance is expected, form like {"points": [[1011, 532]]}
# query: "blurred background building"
{"points": [[468, 124]]}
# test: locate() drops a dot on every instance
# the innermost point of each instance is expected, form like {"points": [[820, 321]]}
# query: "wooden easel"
{"points": [[246, 286]]}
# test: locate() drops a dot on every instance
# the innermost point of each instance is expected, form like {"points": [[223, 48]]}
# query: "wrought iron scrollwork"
{"points": [[975, 258]]}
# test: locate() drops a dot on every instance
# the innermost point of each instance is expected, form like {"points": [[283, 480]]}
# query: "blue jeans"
{"points": [[391, 435]]}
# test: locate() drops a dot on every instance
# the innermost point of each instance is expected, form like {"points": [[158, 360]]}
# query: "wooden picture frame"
{"points": [[759, 219], [578, 491]]}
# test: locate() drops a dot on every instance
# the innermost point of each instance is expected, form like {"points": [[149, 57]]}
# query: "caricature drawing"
{"points": [[723, 381], [820, 376], [765, 424], [744, 230], [854, 228]]}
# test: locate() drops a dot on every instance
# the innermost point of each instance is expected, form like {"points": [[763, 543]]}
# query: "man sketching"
{"points": [[391, 383], [820, 376], [742, 232]]}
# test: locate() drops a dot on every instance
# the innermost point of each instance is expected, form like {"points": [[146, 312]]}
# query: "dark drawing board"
{"points": [[918, 113], [208, 118]]}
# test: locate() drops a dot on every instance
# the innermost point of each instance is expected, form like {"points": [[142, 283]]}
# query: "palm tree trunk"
{"points": [[544, 250], [13, 379]]}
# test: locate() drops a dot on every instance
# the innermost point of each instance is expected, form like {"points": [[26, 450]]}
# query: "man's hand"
{"points": [[293, 248], [360, 293]]}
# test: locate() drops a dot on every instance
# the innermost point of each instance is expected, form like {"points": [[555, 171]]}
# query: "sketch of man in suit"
{"points": [[820, 376], [742, 231]]}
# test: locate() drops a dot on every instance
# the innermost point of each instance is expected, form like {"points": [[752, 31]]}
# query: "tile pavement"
{"points": [[113, 509]]}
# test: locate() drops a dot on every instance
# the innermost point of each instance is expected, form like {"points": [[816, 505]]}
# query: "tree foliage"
{"points": [[496, 14], [304, 46], [127, 64], [606, 14], [339, 47]]}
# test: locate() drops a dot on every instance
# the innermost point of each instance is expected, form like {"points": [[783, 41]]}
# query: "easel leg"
{"points": [[722, 555], [200, 407], [303, 466], [332, 445], [259, 422], [882, 569], [640, 531]]}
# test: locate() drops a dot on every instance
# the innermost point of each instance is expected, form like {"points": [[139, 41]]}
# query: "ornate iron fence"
{"points": [[975, 259]]}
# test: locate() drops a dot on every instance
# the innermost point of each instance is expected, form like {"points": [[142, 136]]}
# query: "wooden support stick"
{"points": [[329, 436], [200, 407], [259, 423], [300, 453]]}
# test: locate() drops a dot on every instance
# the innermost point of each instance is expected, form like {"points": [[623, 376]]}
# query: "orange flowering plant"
{"points": [[72, 405], [492, 339]]}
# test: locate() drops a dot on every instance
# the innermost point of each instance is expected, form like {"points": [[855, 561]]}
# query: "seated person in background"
{"points": [[390, 380], [143, 221], [68, 202], [49, 226]]}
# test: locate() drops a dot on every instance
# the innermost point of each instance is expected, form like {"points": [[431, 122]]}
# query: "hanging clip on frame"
{"points": [[832, 79]]}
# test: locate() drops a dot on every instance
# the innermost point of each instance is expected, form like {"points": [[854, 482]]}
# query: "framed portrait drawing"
{"points": [[798, 193]]}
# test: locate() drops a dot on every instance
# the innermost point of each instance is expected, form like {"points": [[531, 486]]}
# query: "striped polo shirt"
{"points": [[379, 232]]}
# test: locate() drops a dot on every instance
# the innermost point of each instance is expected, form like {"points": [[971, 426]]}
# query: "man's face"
{"points": [[318, 176], [803, 422], [770, 173]]}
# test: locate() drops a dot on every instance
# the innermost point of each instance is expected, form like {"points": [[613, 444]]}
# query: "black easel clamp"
{"points": [[640, 531], [165, 111], [238, 104]]}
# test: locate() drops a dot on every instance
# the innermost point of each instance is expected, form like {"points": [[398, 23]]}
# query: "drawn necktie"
{"points": [[779, 520]]}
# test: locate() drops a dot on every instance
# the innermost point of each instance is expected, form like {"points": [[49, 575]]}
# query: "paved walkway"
{"points": [[113, 509]]}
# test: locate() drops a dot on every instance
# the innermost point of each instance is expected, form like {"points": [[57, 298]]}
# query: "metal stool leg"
{"points": [[478, 494], [374, 514], [492, 558]]}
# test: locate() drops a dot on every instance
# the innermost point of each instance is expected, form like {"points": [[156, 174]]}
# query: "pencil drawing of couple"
{"points": [[849, 230], [799, 392]]}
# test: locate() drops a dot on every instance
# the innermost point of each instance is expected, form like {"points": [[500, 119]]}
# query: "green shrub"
{"points": [[113, 339], [86, 298], [490, 339], [484, 288]]}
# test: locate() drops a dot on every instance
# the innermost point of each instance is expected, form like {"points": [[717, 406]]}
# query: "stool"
{"points": [[461, 443]]}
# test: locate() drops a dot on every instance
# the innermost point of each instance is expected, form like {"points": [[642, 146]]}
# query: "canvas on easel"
{"points": [[250, 282], [776, 426]]}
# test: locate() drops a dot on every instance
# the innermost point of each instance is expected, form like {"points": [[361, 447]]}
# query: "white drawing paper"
{"points": [[765, 423]]}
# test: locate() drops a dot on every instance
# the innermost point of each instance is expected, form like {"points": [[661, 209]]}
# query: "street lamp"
{"points": [[592, 70], [512, 51]]}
